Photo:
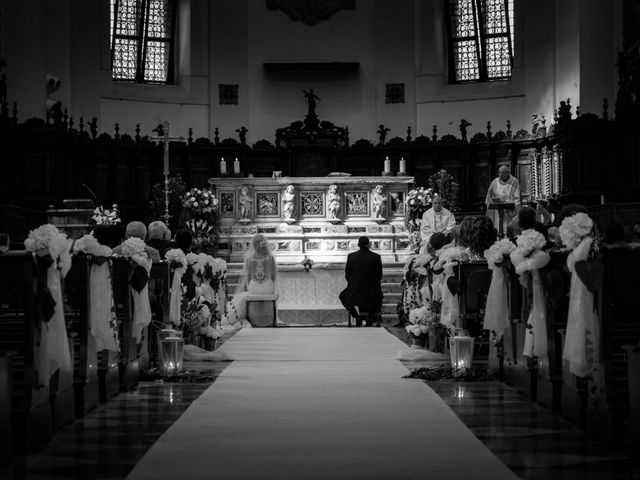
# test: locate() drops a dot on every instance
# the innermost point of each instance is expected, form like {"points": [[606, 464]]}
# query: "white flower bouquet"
{"points": [[48, 240], [89, 245], [104, 216], [176, 258], [574, 228], [417, 202], [200, 201], [421, 321], [528, 255], [499, 251]]}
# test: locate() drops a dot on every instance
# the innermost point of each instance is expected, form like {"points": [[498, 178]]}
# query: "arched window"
{"points": [[480, 40], [142, 40]]}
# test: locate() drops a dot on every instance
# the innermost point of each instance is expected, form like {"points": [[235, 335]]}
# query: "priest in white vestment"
{"points": [[503, 189], [436, 219]]}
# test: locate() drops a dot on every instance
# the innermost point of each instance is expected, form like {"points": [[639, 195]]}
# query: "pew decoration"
{"points": [[417, 202], [527, 258], [496, 315], [140, 265], [102, 320], [178, 264], [448, 286], [52, 252], [580, 348]]}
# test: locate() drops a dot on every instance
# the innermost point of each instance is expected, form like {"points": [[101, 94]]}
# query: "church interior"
{"points": [[184, 185]]}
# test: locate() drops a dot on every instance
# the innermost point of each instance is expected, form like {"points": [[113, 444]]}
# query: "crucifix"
{"points": [[165, 138]]}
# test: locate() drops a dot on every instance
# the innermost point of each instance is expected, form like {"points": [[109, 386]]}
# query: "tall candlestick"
{"points": [[387, 165], [236, 166], [223, 166], [601, 199], [165, 168], [403, 165]]}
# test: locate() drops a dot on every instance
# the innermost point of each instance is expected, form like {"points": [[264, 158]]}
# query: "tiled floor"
{"points": [[109, 441]]}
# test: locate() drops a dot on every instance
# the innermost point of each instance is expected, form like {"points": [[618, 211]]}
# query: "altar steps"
{"points": [[391, 288]]}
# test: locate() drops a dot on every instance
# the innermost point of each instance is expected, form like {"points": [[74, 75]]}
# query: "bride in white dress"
{"points": [[258, 278]]}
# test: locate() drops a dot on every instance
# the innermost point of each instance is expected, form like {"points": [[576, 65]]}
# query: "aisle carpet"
{"points": [[318, 403]]}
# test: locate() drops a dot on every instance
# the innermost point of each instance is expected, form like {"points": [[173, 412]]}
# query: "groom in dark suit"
{"points": [[363, 273]]}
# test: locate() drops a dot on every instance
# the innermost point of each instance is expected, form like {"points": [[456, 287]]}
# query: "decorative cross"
{"points": [[165, 138]]}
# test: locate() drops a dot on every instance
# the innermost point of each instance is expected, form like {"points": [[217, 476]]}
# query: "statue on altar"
{"points": [[311, 100], [503, 199], [333, 201], [288, 202], [378, 201], [245, 201]]}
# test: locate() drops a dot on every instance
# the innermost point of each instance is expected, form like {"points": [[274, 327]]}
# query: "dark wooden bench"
{"points": [[85, 359], [31, 408], [6, 426]]}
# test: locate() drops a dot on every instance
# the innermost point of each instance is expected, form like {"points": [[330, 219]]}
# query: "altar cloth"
{"points": [[318, 403]]}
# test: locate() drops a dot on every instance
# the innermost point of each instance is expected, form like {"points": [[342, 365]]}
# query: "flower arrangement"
{"points": [[422, 320], [48, 240], [176, 258], [103, 216], [417, 202], [574, 228], [200, 201], [499, 251], [89, 245], [195, 313], [203, 233]]}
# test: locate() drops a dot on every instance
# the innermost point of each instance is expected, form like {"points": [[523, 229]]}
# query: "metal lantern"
{"points": [[171, 355], [461, 353], [161, 335]]}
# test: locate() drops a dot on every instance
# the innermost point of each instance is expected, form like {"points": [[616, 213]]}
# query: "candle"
{"points": [[236, 166], [387, 165], [223, 166], [601, 199], [403, 165]]}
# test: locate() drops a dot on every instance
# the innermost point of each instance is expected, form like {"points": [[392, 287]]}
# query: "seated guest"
{"points": [[184, 239], [436, 219], [553, 237], [159, 237], [138, 230], [513, 229], [614, 235], [527, 218], [452, 238], [466, 231], [483, 236]]}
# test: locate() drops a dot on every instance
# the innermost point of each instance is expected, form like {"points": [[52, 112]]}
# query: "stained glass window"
{"points": [[480, 40], [142, 40]]}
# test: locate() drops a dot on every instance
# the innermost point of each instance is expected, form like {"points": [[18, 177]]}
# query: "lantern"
{"points": [[171, 355], [461, 353], [161, 335]]}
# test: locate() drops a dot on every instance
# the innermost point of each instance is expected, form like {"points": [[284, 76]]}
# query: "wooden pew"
{"points": [[134, 356], [609, 407], [20, 319], [6, 427], [633, 374], [85, 378], [556, 281], [519, 371], [474, 279]]}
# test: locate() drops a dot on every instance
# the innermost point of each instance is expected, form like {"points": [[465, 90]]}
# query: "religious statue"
{"points": [[242, 133], [288, 202], [245, 201], [382, 133], [311, 100], [503, 199], [333, 201], [379, 201], [463, 128]]}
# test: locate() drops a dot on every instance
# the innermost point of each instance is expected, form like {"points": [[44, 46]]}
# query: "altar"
{"points": [[316, 217]]}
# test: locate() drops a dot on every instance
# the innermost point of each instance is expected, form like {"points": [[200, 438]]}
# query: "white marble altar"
{"points": [[320, 217], [310, 298]]}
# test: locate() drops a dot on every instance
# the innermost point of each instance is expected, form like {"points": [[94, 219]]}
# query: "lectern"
{"points": [[502, 208]]}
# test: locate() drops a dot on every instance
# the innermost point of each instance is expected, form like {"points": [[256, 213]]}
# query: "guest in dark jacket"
{"points": [[138, 230], [364, 274]]}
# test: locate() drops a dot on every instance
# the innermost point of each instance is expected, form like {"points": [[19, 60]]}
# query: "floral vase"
{"points": [[418, 341]]}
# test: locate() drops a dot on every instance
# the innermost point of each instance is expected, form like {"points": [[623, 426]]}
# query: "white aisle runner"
{"points": [[318, 403]]}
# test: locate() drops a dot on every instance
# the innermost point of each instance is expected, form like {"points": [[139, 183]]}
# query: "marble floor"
{"points": [[532, 442]]}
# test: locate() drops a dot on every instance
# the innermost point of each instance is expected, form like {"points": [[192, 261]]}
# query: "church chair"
{"points": [[260, 320], [20, 319], [474, 279]]}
